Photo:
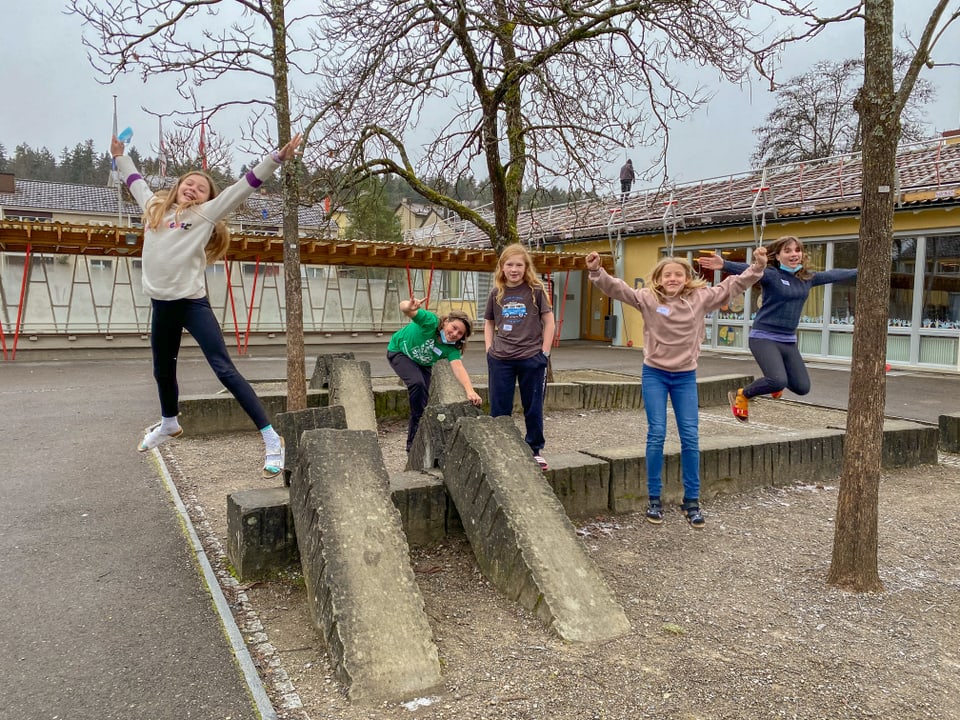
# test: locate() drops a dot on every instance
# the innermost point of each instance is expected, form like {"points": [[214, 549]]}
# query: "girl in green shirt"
{"points": [[415, 348]]}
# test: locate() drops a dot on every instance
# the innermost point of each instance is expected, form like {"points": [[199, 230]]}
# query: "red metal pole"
{"points": [[233, 307], [426, 303], [409, 282], [253, 293], [20, 307]]}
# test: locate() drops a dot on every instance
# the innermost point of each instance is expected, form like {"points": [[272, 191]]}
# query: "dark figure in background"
{"points": [[627, 176]]}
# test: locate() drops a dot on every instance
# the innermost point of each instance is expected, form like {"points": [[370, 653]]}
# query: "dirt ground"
{"points": [[732, 621]]}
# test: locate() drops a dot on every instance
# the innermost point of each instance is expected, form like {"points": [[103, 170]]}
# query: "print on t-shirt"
{"points": [[514, 312]]}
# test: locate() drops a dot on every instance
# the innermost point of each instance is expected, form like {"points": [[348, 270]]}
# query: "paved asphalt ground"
{"points": [[103, 611]]}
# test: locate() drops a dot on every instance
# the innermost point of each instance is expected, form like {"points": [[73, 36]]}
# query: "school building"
{"points": [[48, 298]]}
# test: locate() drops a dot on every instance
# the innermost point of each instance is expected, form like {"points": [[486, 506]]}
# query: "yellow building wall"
{"points": [[641, 253]]}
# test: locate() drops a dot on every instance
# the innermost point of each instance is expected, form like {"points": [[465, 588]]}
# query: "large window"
{"points": [[843, 303], [941, 283], [903, 263]]}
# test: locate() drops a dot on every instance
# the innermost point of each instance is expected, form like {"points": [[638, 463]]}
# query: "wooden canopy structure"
{"points": [[113, 241]]}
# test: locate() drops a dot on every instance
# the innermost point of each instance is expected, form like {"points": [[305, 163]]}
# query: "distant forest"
{"points": [[83, 165]]}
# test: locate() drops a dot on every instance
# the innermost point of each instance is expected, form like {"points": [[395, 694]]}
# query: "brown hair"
{"points": [[773, 255], [166, 200], [694, 281], [467, 325], [529, 275]]}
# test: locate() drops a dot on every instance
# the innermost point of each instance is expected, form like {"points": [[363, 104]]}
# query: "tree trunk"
{"points": [[293, 290], [854, 563]]}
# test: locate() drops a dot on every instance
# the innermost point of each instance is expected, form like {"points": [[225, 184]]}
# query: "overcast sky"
{"points": [[53, 98]]}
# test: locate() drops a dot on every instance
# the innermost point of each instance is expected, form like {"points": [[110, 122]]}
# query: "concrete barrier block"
{"points": [[906, 444], [350, 387], [628, 477], [433, 434], [261, 540], [524, 543], [581, 483], [292, 425], [558, 396], [422, 501], [323, 367], [607, 395], [361, 590], [221, 413], [950, 433]]}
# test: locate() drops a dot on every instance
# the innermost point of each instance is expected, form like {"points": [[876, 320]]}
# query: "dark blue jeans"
{"points": [[782, 367], [681, 389], [170, 319], [531, 375], [417, 379]]}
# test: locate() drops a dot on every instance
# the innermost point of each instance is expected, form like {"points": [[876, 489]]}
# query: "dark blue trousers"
{"points": [[531, 375], [417, 379], [170, 319]]}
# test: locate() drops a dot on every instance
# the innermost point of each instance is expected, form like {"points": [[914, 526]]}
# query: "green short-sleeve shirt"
{"points": [[419, 341]]}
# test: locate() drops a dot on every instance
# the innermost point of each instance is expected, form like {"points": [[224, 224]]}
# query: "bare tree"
{"points": [[535, 92], [251, 46], [814, 116], [181, 151], [879, 103]]}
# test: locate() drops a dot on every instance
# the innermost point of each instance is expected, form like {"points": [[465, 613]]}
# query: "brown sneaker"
{"points": [[739, 405]]}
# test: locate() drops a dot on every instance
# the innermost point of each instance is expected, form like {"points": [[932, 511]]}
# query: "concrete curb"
{"points": [[258, 693]]}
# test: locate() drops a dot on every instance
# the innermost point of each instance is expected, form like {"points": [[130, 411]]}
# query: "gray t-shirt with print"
{"points": [[518, 322]]}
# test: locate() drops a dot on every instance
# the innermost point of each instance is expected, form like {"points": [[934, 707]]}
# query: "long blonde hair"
{"points": [[166, 200], [693, 282], [529, 273]]}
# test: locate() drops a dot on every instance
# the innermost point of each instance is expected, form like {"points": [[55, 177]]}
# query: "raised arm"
{"points": [[410, 307], [227, 201], [609, 285]]}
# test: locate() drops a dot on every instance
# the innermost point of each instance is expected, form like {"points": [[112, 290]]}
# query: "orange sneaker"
{"points": [[739, 405], [777, 395]]}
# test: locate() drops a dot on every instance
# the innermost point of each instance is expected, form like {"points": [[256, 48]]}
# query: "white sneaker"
{"points": [[155, 437]]}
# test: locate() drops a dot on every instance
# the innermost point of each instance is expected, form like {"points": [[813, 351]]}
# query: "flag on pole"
{"points": [[203, 147]]}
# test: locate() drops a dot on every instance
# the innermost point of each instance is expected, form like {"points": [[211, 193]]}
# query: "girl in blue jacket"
{"points": [[786, 284]]}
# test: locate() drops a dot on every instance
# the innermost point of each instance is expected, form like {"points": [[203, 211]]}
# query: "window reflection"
{"points": [[903, 261], [941, 284], [843, 302]]}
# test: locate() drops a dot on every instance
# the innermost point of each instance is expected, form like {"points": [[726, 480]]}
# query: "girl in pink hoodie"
{"points": [[674, 307]]}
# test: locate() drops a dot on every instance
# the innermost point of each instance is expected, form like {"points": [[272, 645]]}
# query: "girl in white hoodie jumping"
{"points": [[183, 232]]}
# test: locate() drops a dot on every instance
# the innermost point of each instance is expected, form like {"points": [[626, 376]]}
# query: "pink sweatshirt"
{"points": [[674, 329]]}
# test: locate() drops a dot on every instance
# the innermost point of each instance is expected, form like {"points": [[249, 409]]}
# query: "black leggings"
{"points": [[782, 367], [417, 379], [170, 319]]}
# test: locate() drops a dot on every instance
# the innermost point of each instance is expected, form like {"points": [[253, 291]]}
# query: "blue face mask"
{"points": [[443, 337], [791, 270]]}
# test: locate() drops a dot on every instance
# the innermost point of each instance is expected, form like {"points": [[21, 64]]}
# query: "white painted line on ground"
{"points": [[251, 676]]}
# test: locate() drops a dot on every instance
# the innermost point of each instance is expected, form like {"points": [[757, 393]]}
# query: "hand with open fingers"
{"points": [[474, 398], [287, 151], [710, 262]]}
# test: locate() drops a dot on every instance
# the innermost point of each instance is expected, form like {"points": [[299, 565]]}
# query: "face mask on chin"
{"points": [[791, 270], [443, 337]]}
